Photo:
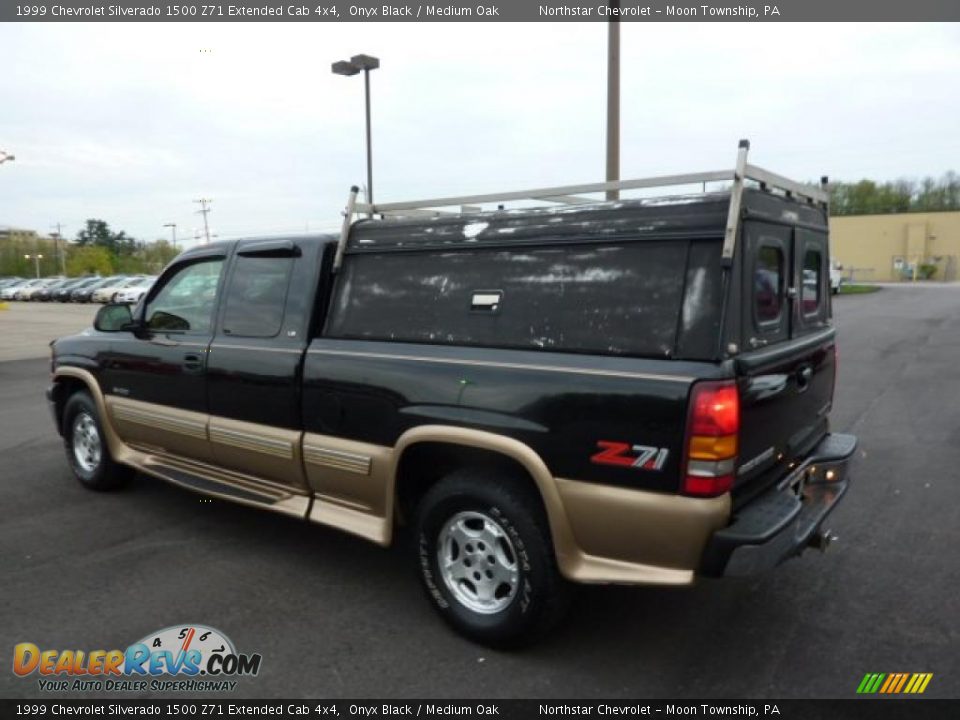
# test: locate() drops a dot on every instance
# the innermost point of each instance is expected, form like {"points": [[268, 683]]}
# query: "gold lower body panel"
{"points": [[601, 534], [260, 450], [634, 536], [176, 431], [352, 483]]}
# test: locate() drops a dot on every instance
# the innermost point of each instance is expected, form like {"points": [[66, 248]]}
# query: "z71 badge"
{"points": [[642, 457]]}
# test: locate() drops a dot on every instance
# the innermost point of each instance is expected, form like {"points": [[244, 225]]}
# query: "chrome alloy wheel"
{"points": [[478, 562], [86, 442]]}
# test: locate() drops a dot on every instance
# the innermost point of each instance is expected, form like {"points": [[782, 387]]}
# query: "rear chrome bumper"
{"points": [[783, 521]]}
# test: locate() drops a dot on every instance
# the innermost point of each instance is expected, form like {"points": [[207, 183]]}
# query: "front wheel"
{"points": [[487, 560], [86, 446]]}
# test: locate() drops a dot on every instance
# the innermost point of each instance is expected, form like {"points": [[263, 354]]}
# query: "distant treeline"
{"points": [[97, 250], [868, 197]]}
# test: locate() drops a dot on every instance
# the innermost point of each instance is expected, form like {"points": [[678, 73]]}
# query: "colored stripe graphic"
{"points": [[894, 683], [903, 680]]}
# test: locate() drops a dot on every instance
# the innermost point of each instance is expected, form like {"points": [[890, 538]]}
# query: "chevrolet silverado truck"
{"points": [[632, 391]]}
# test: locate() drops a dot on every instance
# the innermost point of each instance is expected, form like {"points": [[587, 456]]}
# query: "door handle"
{"points": [[192, 362], [804, 376]]}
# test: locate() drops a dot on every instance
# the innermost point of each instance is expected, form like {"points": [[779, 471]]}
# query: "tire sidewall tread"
{"points": [[542, 593], [108, 475]]}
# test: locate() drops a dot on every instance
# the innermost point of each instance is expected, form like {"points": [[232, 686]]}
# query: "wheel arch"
{"points": [[484, 447], [68, 380]]}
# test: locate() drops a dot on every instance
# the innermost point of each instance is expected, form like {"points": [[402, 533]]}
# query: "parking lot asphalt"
{"points": [[336, 617], [26, 328]]}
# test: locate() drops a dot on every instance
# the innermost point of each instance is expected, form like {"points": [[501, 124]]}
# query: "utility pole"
{"points": [[204, 202], [613, 100], [58, 254]]}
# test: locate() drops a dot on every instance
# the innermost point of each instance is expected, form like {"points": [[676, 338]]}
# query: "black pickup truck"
{"points": [[632, 391]]}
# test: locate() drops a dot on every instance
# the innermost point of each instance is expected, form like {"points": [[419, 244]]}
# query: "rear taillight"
{"points": [[713, 430]]}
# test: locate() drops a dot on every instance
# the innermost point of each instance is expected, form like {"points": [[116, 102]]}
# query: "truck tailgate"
{"points": [[786, 393]]}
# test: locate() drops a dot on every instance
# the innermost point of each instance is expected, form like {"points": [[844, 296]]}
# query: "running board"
{"points": [[225, 485]]}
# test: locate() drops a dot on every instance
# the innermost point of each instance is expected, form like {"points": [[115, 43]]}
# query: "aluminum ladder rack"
{"points": [[573, 195]]}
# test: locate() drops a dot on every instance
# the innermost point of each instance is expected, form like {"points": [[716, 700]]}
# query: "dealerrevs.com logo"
{"points": [[186, 658]]}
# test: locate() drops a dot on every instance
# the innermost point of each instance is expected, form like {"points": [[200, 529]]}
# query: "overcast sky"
{"points": [[131, 122]]}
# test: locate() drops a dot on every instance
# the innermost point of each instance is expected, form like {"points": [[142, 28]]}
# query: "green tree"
{"points": [[95, 232], [900, 196], [98, 233], [89, 260], [146, 258], [157, 255], [13, 262]]}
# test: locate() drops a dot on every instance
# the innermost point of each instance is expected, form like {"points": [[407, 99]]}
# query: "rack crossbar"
{"points": [[548, 193], [771, 179]]}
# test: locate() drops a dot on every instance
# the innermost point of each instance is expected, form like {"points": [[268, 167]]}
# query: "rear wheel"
{"points": [[486, 558], [86, 446]]}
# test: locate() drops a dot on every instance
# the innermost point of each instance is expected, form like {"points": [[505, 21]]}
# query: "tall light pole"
{"points": [[173, 230], [351, 67], [37, 258], [613, 100], [6, 157]]}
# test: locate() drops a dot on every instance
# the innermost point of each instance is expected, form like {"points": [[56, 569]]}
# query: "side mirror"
{"points": [[113, 318]]}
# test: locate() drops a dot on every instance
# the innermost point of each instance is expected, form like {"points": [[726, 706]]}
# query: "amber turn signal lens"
{"points": [[713, 448]]}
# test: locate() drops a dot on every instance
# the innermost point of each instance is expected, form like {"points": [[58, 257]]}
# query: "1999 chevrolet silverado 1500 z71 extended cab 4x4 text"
{"points": [[597, 392]]}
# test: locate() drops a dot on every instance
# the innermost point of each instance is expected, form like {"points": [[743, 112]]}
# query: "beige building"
{"points": [[8, 232], [884, 248]]}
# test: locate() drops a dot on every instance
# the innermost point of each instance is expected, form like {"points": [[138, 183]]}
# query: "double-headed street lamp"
{"points": [[36, 258], [354, 65], [6, 157]]}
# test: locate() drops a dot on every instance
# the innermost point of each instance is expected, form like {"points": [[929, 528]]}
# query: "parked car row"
{"points": [[24, 289], [6, 282], [84, 289]]}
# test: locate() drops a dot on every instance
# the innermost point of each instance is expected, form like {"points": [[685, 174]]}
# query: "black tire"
{"points": [[96, 469], [541, 595]]}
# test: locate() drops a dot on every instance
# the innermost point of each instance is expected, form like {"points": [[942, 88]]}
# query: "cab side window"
{"points": [[187, 299], [257, 295]]}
